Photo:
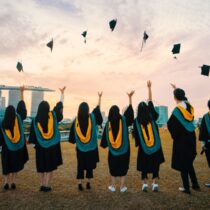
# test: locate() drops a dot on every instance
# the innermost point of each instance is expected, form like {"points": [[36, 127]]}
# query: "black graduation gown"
{"points": [[204, 136], [86, 160], [119, 165], [184, 145], [47, 159], [13, 161], [148, 163]]}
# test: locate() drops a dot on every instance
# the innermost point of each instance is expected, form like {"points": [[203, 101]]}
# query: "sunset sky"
{"points": [[110, 61]]}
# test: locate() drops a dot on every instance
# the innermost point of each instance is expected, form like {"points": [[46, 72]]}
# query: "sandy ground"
{"points": [[66, 196]]}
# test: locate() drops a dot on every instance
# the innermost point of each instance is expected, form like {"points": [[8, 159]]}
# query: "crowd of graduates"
{"points": [[45, 136]]}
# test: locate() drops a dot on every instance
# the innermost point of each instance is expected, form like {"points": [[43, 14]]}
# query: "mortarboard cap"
{"points": [[50, 45], [84, 34], [205, 70], [19, 66], [145, 37], [176, 49], [112, 24]]}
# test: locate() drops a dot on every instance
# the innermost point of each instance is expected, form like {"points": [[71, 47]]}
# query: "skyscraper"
{"points": [[163, 115], [14, 97], [37, 97], [2, 105]]}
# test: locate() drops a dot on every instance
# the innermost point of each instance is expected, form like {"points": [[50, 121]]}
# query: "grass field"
{"points": [[66, 196]]}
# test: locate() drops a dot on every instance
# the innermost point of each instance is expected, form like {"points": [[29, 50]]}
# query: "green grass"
{"points": [[66, 196]]}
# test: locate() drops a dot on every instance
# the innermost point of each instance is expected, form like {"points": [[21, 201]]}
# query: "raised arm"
{"points": [[173, 86], [97, 110], [58, 109], [99, 98], [62, 90], [130, 96], [129, 113], [22, 88], [21, 107], [149, 85]]}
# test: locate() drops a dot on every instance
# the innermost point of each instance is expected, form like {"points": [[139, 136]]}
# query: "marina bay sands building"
{"points": [[14, 97], [37, 97]]}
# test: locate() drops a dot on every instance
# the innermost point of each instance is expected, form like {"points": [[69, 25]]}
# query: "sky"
{"points": [[110, 61]]}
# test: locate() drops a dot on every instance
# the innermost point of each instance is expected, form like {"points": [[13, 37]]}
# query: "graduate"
{"points": [[204, 136], [182, 129], [45, 135], [14, 153], [84, 133], [150, 154], [115, 137]]}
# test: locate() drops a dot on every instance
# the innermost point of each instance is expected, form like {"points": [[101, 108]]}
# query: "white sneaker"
{"points": [[182, 189], [155, 187], [144, 187], [112, 188], [124, 189], [207, 184]]}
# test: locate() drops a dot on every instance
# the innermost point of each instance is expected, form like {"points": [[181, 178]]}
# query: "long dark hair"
{"points": [[114, 118], [21, 109], [114, 114], [42, 115], [9, 119], [83, 111], [83, 114], [209, 104], [143, 114]]}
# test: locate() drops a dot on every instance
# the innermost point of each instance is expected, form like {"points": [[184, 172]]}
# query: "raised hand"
{"points": [[173, 86], [131, 93], [62, 89], [100, 94], [99, 98], [22, 88], [149, 84], [130, 96]]}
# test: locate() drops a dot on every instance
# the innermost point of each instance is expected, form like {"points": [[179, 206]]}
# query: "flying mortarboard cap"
{"points": [[112, 24], [84, 34], [19, 66], [205, 70], [50, 45], [176, 49], [146, 36]]}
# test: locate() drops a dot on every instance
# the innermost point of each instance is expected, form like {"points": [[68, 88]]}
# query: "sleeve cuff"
{"points": [[62, 98]]}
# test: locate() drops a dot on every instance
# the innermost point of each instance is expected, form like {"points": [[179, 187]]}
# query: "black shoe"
{"points": [[13, 186], [6, 186], [46, 189], [80, 188], [196, 188], [88, 187], [42, 188]]}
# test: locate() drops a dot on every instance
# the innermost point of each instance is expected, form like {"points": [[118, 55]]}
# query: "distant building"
{"points": [[14, 97], [37, 97], [2, 105], [163, 115]]}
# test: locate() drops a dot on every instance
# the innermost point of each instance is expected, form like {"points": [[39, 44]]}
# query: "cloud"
{"points": [[109, 61]]}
